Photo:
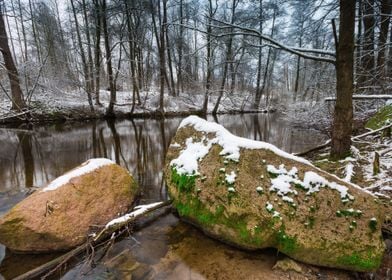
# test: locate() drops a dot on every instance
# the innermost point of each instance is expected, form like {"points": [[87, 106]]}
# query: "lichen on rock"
{"points": [[253, 195]]}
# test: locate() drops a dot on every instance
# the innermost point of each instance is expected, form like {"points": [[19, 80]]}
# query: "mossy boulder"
{"points": [[252, 195], [382, 118], [61, 215]]}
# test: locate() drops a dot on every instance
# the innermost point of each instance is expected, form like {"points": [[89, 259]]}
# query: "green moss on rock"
{"points": [[184, 182], [381, 118], [285, 243], [360, 263]]}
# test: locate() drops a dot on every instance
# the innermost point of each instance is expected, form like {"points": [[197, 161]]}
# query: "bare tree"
{"points": [[108, 51], [228, 57], [17, 99], [86, 73], [386, 8]]}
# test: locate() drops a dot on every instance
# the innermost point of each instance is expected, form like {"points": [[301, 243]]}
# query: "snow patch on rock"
{"points": [[187, 162], [230, 178], [85, 168], [230, 143], [312, 182]]}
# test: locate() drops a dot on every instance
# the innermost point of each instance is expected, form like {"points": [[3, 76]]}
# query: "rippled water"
{"points": [[32, 157]]}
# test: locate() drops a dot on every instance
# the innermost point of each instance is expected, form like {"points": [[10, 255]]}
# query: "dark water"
{"points": [[34, 157]]}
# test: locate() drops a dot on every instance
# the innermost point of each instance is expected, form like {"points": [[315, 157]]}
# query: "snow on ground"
{"points": [[84, 168], [358, 167], [381, 183], [56, 100], [349, 171]]}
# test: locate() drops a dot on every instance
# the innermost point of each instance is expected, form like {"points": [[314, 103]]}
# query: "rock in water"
{"points": [[60, 216], [253, 195]]}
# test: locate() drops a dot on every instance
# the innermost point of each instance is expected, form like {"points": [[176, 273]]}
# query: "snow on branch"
{"points": [[363, 96], [255, 33], [139, 211], [315, 51]]}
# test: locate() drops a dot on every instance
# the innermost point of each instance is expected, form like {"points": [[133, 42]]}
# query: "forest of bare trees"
{"points": [[267, 51]]}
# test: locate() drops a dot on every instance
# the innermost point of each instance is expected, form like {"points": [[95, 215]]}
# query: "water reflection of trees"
{"points": [[33, 157]]}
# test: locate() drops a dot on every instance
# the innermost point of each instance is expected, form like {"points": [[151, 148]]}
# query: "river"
{"points": [[167, 248]]}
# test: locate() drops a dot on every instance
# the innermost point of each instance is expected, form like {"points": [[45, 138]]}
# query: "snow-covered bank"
{"points": [[319, 115], [73, 105]]}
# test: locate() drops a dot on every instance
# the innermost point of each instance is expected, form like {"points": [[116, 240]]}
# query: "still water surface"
{"points": [[34, 157]]}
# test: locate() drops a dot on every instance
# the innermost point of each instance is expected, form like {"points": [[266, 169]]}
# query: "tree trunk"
{"points": [[23, 31], [180, 86], [267, 66], [386, 7], [36, 41], [112, 87], [209, 58], [18, 102], [162, 56], [132, 55], [256, 103], [90, 62], [97, 50], [227, 58], [169, 61], [343, 115], [389, 63], [368, 59], [83, 57]]}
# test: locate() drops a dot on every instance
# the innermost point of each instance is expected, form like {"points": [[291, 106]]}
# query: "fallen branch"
{"points": [[10, 116], [352, 138], [103, 235], [372, 132], [118, 223], [363, 96], [319, 147]]}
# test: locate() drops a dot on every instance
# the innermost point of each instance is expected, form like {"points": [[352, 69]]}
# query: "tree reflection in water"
{"points": [[35, 156]]}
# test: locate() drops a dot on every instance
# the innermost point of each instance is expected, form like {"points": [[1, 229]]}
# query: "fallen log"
{"points": [[105, 234]]}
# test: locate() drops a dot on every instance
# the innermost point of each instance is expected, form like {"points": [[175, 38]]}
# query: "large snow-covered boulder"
{"points": [[61, 215], [254, 195]]}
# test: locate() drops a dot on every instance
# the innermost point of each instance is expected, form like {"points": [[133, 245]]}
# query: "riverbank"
{"points": [[369, 166], [73, 106]]}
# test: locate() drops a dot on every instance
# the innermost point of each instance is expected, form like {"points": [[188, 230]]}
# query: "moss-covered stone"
{"points": [[310, 226]]}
